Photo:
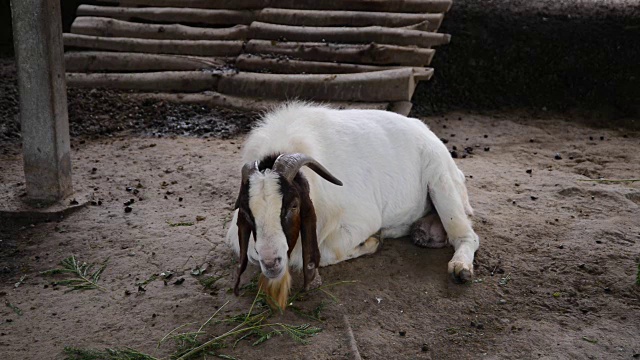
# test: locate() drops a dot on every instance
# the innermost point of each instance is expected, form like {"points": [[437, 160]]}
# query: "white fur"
{"points": [[388, 164]]}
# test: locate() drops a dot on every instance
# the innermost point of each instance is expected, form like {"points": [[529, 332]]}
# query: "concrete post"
{"points": [[37, 36]]}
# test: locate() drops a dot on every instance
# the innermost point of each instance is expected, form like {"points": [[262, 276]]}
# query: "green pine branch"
{"points": [[84, 275]]}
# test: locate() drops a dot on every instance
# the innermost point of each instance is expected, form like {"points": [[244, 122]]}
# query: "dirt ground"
{"points": [[555, 272]]}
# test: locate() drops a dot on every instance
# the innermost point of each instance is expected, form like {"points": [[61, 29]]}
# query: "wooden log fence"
{"points": [[346, 18], [347, 35], [181, 47], [104, 26], [105, 61], [253, 54]]}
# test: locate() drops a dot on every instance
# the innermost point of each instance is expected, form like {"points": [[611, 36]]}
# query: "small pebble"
{"points": [[128, 209], [502, 302], [601, 137], [425, 347], [534, 198], [486, 136], [529, 171], [487, 148], [557, 156], [454, 154], [444, 141], [402, 333]]}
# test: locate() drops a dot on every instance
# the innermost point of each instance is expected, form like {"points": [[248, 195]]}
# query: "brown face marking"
{"points": [[245, 228], [290, 213]]}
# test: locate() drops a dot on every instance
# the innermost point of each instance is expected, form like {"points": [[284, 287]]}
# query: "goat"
{"points": [[399, 179]]}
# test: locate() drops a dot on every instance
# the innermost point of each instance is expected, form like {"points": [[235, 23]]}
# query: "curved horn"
{"points": [[288, 165], [248, 169]]}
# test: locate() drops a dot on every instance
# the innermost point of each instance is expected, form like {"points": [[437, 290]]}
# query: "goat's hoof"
{"points": [[315, 283], [460, 272]]}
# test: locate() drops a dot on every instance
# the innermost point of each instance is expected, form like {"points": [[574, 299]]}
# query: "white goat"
{"points": [[398, 177]]}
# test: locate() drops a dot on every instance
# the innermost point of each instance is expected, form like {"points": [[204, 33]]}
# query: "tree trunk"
{"points": [[171, 15], [282, 65], [353, 35], [97, 61], [378, 86], [410, 6], [372, 54], [100, 26], [347, 18], [190, 81], [214, 99], [406, 6], [199, 4], [181, 47]]}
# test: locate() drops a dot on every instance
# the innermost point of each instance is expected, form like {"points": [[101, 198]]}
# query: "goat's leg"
{"points": [[449, 195], [334, 252], [429, 232]]}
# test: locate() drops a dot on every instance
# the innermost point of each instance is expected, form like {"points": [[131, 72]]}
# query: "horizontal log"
{"points": [[378, 86], [214, 99], [171, 15], [190, 81], [350, 35], [103, 61], [101, 26], [347, 18], [372, 54], [182, 47], [281, 65], [412, 6], [401, 107], [201, 4]]}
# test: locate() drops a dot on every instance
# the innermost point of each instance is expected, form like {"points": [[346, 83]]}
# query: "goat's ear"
{"points": [[310, 249], [244, 233]]}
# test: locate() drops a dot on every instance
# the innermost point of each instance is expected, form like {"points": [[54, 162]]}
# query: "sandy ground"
{"points": [[555, 272]]}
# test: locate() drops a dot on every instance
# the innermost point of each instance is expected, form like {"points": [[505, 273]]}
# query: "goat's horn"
{"points": [[288, 165], [248, 169]]}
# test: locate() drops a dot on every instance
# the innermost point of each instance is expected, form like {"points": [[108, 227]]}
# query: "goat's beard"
{"points": [[277, 290]]}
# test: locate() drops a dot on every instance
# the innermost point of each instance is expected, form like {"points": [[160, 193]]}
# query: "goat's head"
{"points": [[275, 206]]}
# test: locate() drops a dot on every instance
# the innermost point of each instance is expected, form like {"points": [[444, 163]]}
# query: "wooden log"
{"points": [[171, 15], [377, 86], [102, 61], [181, 47], [421, 26], [282, 65], [372, 54], [347, 18], [189, 81], [411, 6], [101, 26], [198, 4], [407, 6], [351, 35], [214, 99], [401, 107]]}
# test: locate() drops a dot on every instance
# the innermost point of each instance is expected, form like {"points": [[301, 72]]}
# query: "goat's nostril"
{"points": [[278, 260]]}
